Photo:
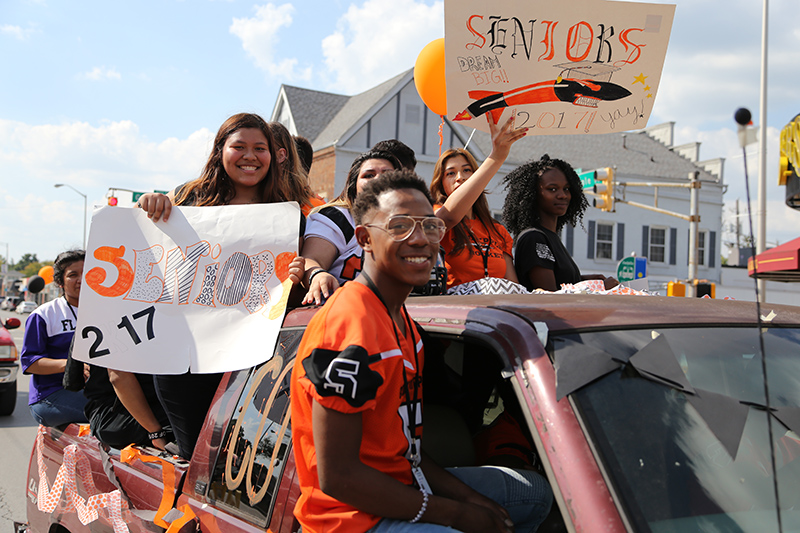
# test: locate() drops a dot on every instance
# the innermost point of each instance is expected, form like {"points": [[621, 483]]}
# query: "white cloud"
{"points": [[379, 40], [259, 36], [35, 217], [15, 31], [100, 74]]}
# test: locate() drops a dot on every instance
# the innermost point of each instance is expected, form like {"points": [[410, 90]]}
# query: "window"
{"points": [[701, 247], [250, 464], [604, 241], [658, 245]]}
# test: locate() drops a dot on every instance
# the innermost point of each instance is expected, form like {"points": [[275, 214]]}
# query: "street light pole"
{"points": [[57, 185]]}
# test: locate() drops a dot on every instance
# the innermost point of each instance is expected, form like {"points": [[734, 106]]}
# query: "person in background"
{"points": [[305, 151], [400, 150], [476, 245], [330, 249], [542, 196], [357, 398], [45, 347], [242, 168], [293, 175]]}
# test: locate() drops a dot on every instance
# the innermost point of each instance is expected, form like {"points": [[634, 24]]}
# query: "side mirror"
{"points": [[12, 323]]}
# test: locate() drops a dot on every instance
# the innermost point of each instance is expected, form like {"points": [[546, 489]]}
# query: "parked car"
{"points": [[26, 307], [646, 413], [10, 303], [8, 368]]}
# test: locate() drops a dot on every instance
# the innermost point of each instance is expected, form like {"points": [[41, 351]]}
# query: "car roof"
{"points": [[567, 312]]}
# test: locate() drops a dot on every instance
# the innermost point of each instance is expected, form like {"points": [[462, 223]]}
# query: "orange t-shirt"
{"points": [[467, 265], [313, 201], [349, 361]]}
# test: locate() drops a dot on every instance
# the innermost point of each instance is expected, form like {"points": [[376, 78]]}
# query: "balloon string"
{"points": [[441, 135]]}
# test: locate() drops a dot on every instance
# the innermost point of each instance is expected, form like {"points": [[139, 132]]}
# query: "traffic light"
{"points": [[604, 189], [112, 201]]}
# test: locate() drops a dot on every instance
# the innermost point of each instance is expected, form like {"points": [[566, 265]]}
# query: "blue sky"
{"points": [[129, 94]]}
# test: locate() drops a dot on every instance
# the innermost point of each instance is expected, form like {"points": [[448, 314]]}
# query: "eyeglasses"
{"points": [[401, 227]]}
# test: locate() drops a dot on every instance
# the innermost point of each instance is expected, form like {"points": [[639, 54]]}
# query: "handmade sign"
{"points": [[563, 67], [205, 291]]}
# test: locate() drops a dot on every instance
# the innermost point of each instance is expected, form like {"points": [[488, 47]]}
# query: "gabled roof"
{"points": [[312, 110], [635, 153], [325, 118]]}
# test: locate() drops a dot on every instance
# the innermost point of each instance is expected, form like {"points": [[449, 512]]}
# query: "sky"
{"points": [[128, 95]]}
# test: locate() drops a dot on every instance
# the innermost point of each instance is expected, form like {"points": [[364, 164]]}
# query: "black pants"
{"points": [[113, 425], [186, 399]]}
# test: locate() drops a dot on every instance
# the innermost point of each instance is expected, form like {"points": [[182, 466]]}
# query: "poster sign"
{"points": [[563, 67], [204, 291]]}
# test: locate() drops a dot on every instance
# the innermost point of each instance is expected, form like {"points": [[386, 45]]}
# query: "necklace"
{"points": [[483, 253]]}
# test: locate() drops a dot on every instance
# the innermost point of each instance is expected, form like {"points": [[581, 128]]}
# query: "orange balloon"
{"points": [[46, 272], [429, 76]]}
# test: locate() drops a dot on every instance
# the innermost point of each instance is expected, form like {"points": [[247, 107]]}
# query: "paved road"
{"points": [[17, 433]]}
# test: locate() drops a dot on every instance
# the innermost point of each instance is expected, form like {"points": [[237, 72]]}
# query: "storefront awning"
{"points": [[781, 263]]}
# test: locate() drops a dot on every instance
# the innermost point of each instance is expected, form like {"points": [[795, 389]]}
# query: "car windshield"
{"points": [[666, 455]]}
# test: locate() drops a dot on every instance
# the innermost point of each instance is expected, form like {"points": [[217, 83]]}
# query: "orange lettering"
{"points": [[477, 35], [577, 39], [96, 276]]}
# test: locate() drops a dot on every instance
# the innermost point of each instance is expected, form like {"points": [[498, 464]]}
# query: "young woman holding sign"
{"points": [[241, 169], [476, 246]]}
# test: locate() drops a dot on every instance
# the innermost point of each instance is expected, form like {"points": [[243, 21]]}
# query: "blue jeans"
{"points": [[61, 407], [524, 494]]}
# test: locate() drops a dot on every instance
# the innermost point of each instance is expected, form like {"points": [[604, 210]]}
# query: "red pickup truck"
{"points": [[647, 414]]}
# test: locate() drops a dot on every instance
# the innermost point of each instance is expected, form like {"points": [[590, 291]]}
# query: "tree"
{"points": [[26, 260]]}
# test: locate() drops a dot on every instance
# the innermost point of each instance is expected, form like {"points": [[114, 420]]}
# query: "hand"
{"points": [[504, 136], [297, 269], [322, 286], [86, 371], [159, 443], [156, 205], [480, 518]]}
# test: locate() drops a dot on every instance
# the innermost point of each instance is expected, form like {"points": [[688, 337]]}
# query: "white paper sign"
{"points": [[563, 66], [204, 291]]}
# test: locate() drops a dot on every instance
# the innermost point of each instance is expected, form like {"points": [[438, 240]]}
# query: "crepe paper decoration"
{"points": [[195, 293], [724, 416], [789, 417], [769, 317], [657, 362], [577, 365], [74, 462]]}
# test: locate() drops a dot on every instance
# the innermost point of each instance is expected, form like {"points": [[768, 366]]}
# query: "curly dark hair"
{"points": [[64, 260], [521, 208]]}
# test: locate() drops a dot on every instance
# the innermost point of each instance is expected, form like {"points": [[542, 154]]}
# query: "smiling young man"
{"points": [[357, 395]]}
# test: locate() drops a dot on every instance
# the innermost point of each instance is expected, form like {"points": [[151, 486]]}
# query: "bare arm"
{"points": [[511, 273], [342, 475], [132, 397], [47, 366], [319, 253], [459, 203], [543, 278]]}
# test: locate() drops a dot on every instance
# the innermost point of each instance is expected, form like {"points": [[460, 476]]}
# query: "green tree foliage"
{"points": [[23, 263]]}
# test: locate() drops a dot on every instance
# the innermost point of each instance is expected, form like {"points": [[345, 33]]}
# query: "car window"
{"points": [[669, 467], [258, 438]]}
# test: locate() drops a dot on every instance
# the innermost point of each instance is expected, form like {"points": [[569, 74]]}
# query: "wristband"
{"points": [[314, 273], [160, 434], [422, 508]]}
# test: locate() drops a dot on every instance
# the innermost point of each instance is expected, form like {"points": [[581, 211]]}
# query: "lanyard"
{"points": [[73, 311], [412, 401], [477, 246]]}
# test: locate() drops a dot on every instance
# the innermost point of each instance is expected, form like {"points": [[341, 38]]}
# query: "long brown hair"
{"points": [[214, 186], [294, 178], [480, 209]]}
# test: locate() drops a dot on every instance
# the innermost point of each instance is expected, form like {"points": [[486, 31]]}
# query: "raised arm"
{"points": [[459, 203]]}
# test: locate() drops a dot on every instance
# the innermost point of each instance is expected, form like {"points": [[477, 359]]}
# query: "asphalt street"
{"points": [[17, 435]]}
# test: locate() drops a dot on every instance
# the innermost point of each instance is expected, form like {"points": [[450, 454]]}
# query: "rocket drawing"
{"points": [[586, 93]]}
